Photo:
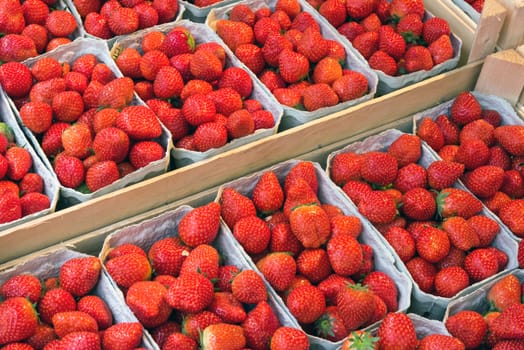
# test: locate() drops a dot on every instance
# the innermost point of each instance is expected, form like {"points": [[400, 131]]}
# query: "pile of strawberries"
{"points": [[62, 312], [286, 49], [180, 290], [21, 189], [201, 98], [399, 331], [438, 231], [495, 324], [32, 27], [309, 253], [395, 37], [108, 18], [492, 154], [82, 117]]}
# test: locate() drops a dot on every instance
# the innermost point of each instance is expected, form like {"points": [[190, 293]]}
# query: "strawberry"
{"points": [[73, 321], [402, 242], [264, 28], [360, 300], [36, 116], [79, 275], [227, 101], [54, 301], [333, 11], [43, 335], [511, 215], [293, 66], [345, 167], [192, 325], [167, 10], [31, 182], [290, 7], [117, 94], [60, 23], [19, 320], [148, 301], [22, 285], [234, 33], [391, 42], [314, 264], [423, 273], [465, 108], [168, 83], [283, 240], [198, 109], [330, 325], [319, 95], [310, 224], [178, 41], [485, 227], [345, 255], [480, 264], [449, 129], [268, 195], [382, 285], [307, 303], [122, 335], [77, 140], [304, 170], [286, 337], [491, 116], [378, 167], [312, 45], [200, 225], [346, 225], [235, 206], [97, 25], [484, 181], [97, 308], [382, 61], [360, 9], [16, 47], [472, 153], [139, 122], [468, 326], [397, 330], [252, 233], [504, 293], [237, 79], [203, 259], [167, 255], [126, 248], [239, 124], [440, 341], [101, 174], [513, 183], [123, 20], [223, 336], [418, 204], [252, 56], [377, 206], [451, 280], [509, 323], [400, 8], [248, 287], [360, 339], [242, 13], [418, 58], [111, 143], [19, 162], [511, 138], [33, 203], [410, 27], [260, 324], [441, 49], [177, 340], [461, 235], [457, 202], [371, 23], [151, 62], [351, 85], [278, 268], [227, 307], [448, 152], [443, 174], [434, 28], [432, 244], [405, 149], [16, 79], [128, 269], [366, 43], [205, 65], [478, 129]]}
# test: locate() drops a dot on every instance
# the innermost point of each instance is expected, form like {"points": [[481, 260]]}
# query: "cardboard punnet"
{"points": [[70, 196], [51, 185], [146, 232], [202, 34], [48, 265], [424, 303], [327, 193], [292, 116]]}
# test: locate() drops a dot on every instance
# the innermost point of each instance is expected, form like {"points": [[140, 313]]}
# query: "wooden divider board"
{"points": [[162, 190], [512, 33]]}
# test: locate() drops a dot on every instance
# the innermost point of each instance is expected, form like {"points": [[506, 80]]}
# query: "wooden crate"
{"points": [[86, 224]]}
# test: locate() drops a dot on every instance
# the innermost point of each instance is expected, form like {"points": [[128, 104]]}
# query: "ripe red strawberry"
{"points": [[18, 318], [290, 7], [461, 235], [77, 140], [31, 182], [43, 335], [147, 300], [312, 45], [288, 337], [360, 9], [472, 153], [268, 195], [278, 268], [177, 340], [33, 203], [457, 202], [465, 108], [442, 174], [239, 124], [377, 206], [432, 244], [478, 129], [124, 334], [504, 293], [434, 28], [227, 307], [234, 33], [509, 323], [360, 300], [400, 8], [485, 227], [242, 13], [440, 341], [366, 43], [117, 94], [382, 285], [248, 287], [480, 264], [167, 255], [16, 79], [203, 259], [97, 308], [334, 11], [235, 206], [139, 122], [418, 204], [345, 167], [345, 255], [406, 149], [402, 242], [36, 116], [304, 170], [191, 292], [345, 225], [19, 162], [101, 174], [351, 85], [79, 275], [422, 272], [283, 239], [511, 215], [22, 285], [223, 336], [307, 303], [111, 143], [192, 324], [513, 183], [252, 233], [330, 325], [410, 27], [379, 168], [80, 340], [468, 326], [237, 79], [252, 56], [205, 65], [198, 109], [441, 49], [16, 47], [310, 224], [200, 225], [123, 20], [397, 329], [449, 129], [128, 269], [168, 82], [60, 23], [418, 58], [451, 280], [73, 321], [391, 42], [54, 301], [382, 61], [484, 181], [293, 66], [265, 27], [511, 138]]}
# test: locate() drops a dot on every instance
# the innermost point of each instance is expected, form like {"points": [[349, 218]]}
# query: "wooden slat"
{"points": [[177, 184], [502, 75], [512, 33], [488, 30]]}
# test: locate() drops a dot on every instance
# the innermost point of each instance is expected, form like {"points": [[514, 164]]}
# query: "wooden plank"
{"points": [[512, 33], [520, 104], [487, 30], [460, 23], [164, 189], [502, 75]]}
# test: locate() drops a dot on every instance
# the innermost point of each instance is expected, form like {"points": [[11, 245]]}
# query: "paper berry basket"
{"points": [[70, 196], [292, 116], [327, 193], [424, 303], [51, 185], [145, 233], [203, 34], [47, 265]]}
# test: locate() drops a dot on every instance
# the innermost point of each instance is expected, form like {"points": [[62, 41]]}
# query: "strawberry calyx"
{"points": [[324, 325], [361, 340], [7, 132]]}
